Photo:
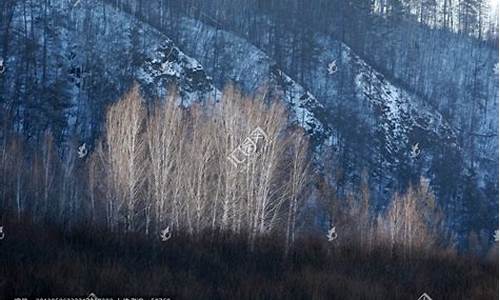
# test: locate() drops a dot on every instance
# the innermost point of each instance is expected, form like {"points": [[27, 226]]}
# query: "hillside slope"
{"points": [[68, 70], [92, 55], [373, 124]]}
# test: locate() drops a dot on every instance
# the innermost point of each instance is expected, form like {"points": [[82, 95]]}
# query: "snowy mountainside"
{"points": [[400, 136], [93, 34], [239, 62], [391, 111], [400, 113], [93, 54], [248, 72], [455, 144], [371, 122], [402, 120], [89, 54]]}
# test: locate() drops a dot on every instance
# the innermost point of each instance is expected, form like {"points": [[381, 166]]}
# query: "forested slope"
{"points": [[416, 99]]}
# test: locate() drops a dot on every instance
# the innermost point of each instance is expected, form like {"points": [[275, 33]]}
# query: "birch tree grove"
{"points": [[234, 165], [170, 167]]}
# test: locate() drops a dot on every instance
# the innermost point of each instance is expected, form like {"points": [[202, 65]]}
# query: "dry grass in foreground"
{"points": [[37, 261]]}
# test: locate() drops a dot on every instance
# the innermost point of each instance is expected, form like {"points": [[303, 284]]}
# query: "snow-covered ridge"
{"points": [[250, 68], [94, 53], [305, 106], [395, 119], [253, 70], [403, 118], [167, 66], [400, 112]]}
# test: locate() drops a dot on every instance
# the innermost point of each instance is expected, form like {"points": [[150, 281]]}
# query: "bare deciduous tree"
{"points": [[126, 163]]}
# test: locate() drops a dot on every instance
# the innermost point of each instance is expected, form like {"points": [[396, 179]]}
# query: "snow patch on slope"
{"points": [[167, 66]]}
